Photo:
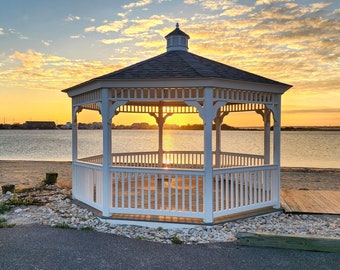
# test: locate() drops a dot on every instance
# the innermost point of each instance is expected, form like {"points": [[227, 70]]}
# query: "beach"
{"points": [[30, 173]]}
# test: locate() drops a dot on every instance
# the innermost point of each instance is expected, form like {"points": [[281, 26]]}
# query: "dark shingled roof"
{"points": [[184, 65]]}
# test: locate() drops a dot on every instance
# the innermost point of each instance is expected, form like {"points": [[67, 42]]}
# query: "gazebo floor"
{"points": [[192, 221], [292, 201], [177, 220]]}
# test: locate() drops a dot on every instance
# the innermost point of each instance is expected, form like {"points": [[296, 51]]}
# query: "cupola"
{"points": [[177, 40]]}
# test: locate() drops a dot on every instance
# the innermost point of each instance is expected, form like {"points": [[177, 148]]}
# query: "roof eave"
{"points": [[95, 84]]}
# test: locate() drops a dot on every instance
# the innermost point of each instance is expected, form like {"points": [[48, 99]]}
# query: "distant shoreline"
{"points": [[144, 126]]}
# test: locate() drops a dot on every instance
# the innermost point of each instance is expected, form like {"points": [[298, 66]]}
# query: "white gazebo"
{"points": [[195, 187]]}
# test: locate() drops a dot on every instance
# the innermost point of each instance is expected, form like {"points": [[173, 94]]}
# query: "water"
{"points": [[320, 149]]}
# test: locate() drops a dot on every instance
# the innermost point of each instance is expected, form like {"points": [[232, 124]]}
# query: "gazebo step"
{"points": [[165, 219], [247, 214]]}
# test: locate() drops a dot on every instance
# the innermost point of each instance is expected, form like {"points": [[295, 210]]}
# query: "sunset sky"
{"points": [[47, 46]]}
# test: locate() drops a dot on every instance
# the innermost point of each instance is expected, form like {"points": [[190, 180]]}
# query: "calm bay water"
{"points": [[319, 149]]}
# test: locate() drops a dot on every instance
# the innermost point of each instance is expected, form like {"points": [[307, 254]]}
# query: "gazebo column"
{"points": [[277, 146], [107, 150], [266, 121], [160, 120], [75, 111], [208, 114], [208, 118], [218, 122]]}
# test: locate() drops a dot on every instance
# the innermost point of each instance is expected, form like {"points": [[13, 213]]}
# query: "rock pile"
{"points": [[53, 206]]}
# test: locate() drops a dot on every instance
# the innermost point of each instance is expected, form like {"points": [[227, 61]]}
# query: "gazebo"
{"points": [[192, 187]]}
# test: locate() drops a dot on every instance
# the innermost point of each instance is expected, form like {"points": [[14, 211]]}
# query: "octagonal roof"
{"points": [[179, 64]]}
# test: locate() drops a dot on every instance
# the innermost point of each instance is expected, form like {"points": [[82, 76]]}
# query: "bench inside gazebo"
{"points": [[192, 187]]}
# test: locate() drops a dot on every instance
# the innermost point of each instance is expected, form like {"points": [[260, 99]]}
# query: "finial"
{"points": [[177, 25]]}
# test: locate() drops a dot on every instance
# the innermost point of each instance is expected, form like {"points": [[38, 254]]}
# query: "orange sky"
{"points": [[292, 41]]}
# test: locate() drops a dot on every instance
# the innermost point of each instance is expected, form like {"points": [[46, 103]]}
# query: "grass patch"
{"points": [[176, 240], [62, 225], [16, 201], [3, 223], [87, 228], [4, 208], [3, 220]]}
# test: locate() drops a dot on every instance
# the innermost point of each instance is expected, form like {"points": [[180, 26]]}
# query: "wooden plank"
{"points": [[311, 201], [310, 243]]}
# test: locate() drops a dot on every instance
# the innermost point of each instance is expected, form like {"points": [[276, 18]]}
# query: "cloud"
{"points": [[71, 18], [28, 60], [237, 10], [270, 2], [114, 26], [137, 4], [143, 26], [77, 36], [46, 42], [90, 29], [213, 4], [115, 41], [37, 70], [2, 31]]}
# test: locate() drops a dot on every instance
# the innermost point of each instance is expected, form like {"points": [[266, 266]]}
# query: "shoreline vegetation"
{"points": [[44, 125], [25, 173]]}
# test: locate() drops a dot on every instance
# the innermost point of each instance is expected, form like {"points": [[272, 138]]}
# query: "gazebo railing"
{"points": [[178, 159], [229, 159], [87, 184], [155, 192], [245, 189], [172, 192]]}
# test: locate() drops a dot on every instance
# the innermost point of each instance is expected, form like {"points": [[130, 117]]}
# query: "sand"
{"points": [[31, 173]]}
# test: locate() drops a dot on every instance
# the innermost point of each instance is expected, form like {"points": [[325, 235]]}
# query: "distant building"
{"points": [[39, 125]]}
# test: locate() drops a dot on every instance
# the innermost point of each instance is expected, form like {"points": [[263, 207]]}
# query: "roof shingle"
{"points": [[182, 64]]}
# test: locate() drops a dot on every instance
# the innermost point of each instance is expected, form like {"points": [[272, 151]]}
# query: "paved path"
{"points": [[42, 247]]}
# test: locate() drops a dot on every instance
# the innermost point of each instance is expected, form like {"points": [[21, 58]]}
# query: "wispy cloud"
{"points": [[143, 25], [2, 31], [237, 10], [114, 26], [41, 71], [77, 36], [46, 42], [71, 18], [115, 41], [140, 3]]}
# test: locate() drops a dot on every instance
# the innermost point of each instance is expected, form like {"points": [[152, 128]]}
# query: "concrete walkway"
{"points": [[42, 247]]}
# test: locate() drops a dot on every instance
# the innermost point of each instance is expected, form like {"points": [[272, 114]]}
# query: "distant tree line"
{"points": [[143, 125]]}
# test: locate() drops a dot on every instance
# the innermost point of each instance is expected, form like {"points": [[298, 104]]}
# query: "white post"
{"points": [[208, 162], [107, 150], [74, 150], [266, 120], [218, 123], [74, 134], [277, 147], [160, 122]]}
